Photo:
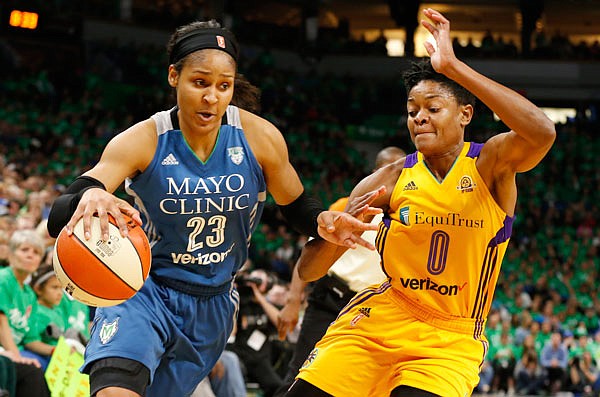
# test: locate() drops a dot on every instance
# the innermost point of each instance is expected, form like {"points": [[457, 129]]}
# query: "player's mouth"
{"points": [[419, 133], [206, 116]]}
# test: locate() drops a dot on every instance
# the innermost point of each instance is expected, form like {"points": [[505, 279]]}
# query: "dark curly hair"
{"points": [[422, 70]]}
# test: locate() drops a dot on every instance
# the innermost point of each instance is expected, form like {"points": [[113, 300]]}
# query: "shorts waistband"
{"points": [[192, 289], [436, 318]]}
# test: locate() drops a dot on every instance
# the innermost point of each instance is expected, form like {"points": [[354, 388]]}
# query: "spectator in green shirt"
{"points": [[52, 320], [584, 376], [580, 347], [19, 376], [17, 298], [49, 322], [76, 316], [503, 361]]}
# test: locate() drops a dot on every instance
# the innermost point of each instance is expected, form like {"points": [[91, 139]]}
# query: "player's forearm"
{"points": [[516, 111], [316, 258], [297, 286]]}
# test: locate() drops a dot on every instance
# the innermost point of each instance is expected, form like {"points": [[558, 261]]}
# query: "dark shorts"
{"points": [[176, 336]]}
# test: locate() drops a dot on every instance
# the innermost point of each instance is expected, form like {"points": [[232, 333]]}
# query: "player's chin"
{"points": [[207, 124], [424, 142]]}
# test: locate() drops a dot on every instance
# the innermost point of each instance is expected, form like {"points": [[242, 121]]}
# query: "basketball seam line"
{"points": [[107, 267]]}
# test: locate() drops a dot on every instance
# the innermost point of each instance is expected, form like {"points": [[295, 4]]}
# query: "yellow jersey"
{"points": [[442, 243]]}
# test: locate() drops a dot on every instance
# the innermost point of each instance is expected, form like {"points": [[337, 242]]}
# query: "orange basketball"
{"points": [[98, 272]]}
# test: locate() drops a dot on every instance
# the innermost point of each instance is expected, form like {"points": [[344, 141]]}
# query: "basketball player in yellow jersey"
{"points": [[448, 213]]}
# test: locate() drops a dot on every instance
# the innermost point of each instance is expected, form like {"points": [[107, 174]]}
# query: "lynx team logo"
{"points": [[108, 331], [236, 154], [466, 184]]}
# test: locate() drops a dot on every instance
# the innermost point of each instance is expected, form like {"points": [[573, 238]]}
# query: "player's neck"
{"points": [[440, 164]]}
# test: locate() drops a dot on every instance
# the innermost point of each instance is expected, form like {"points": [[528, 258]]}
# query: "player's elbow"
{"points": [[546, 134], [308, 274]]}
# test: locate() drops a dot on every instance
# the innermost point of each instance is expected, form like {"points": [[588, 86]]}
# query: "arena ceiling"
{"points": [[573, 17]]}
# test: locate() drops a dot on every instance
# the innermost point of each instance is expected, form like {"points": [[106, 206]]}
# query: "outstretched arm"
{"points": [[532, 132], [370, 196], [303, 213], [92, 193]]}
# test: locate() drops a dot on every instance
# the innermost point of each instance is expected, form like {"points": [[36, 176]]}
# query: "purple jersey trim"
{"points": [[505, 231], [474, 149], [387, 221], [411, 160]]}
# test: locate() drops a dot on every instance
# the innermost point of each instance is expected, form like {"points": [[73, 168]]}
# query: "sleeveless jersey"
{"points": [[199, 216], [442, 243]]}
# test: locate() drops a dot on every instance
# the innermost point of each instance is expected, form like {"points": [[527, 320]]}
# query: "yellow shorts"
{"points": [[381, 340]]}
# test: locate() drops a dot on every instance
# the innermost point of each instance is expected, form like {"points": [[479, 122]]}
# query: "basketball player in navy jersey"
{"points": [[199, 174]]}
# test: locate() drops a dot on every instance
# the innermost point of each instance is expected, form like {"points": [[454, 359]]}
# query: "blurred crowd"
{"points": [[544, 329]]}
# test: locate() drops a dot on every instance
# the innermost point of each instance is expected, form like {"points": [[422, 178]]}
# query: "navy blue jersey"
{"points": [[199, 216]]}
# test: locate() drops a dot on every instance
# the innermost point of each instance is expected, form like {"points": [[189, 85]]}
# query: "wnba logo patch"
{"points": [[466, 184], [311, 357], [221, 41]]}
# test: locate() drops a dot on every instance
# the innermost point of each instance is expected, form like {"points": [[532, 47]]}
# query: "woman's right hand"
{"points": [[442, 54], [102, 203], [17, 358]]}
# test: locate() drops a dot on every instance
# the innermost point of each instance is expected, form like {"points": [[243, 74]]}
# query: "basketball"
{"points": [[98, 272]]}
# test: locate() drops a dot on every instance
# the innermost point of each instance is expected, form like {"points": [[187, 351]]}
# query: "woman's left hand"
{"points": [[343, 229]]}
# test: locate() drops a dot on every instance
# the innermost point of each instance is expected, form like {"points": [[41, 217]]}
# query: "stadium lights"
{"points": [[23, 19]]}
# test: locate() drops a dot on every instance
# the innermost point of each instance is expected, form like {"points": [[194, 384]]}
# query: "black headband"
{"points": [[201, 39]]}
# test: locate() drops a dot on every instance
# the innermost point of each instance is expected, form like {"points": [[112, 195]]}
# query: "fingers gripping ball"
{"points": [[98, 272]]}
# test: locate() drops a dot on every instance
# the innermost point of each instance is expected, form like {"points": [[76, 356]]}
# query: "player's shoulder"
{"points": [[398, 164], [264, 138], [386, 174], [140, 135], [394, 168], [254, 124], [143, 137]]}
